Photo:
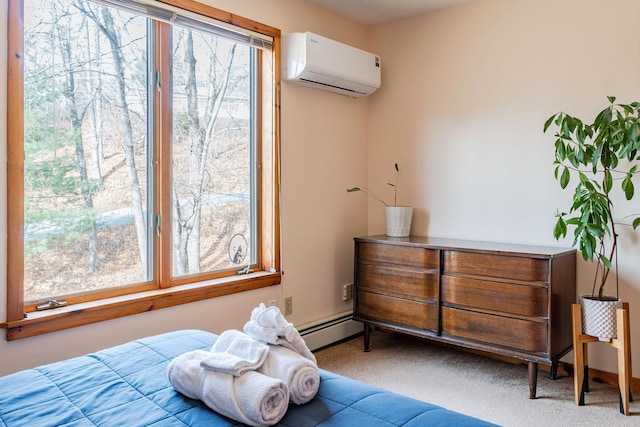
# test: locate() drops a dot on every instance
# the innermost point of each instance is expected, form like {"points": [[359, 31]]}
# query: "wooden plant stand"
{"points": [[581, 359]]}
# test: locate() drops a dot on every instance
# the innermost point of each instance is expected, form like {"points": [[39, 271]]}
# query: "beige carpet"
{"points": [[480, 386]]}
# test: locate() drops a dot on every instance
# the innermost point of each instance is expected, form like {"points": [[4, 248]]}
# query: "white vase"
{"points": [[599, 317], [398, 220]]}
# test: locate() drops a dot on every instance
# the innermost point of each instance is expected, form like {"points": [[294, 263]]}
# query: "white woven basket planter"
{"points": [[599, 317]]}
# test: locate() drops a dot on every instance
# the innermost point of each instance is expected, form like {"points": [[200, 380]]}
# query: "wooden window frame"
{"points": [[22, 320]]}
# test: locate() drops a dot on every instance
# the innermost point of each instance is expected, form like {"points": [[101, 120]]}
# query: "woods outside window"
{"points": [[143, 159]]}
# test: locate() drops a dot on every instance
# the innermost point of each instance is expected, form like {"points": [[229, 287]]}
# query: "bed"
{"points": [[127, 385]]}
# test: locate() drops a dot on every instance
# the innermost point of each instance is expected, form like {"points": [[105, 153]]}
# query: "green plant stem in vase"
{"points": [[397, 218], [592, 153], [594, 157], [377, 198]]}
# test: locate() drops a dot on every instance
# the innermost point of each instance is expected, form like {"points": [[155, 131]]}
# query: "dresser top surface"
{"points": [[470, 245]]}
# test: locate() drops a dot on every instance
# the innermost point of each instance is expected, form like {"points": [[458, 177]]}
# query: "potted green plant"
{"points": [[595, 157], [397, 218]]}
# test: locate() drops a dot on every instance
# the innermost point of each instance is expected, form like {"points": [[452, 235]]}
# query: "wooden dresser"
{"points": [[511, 300]]}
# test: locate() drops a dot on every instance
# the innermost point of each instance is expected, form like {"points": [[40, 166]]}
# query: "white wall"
{"points": [[323, 153], [465, 93]]}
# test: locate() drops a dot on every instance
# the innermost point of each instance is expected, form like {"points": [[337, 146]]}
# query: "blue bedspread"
{"points": [[127, 385]]}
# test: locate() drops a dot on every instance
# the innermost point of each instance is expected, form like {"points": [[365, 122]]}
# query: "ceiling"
{"points": [[370, 12]]}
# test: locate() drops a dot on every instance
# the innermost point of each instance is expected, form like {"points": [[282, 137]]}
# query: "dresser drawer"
{"points": [[396, 310], [402, 282], [496, 265], [517, 334], [402, 255], [498, 296]]}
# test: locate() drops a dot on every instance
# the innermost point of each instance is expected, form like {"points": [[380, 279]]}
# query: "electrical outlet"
{"points": [[272, 303], [347, 291], [288, 306]]}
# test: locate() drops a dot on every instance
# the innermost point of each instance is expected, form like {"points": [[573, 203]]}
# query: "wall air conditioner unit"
{"points": [[322, 63]]}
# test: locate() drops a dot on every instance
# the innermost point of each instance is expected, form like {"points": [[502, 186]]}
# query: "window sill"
{"points": [[57, 319]]}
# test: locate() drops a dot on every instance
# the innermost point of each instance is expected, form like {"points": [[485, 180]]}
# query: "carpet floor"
{"points": [[476, 385]]}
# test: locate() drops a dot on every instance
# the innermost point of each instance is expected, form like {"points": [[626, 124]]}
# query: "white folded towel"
{"points": [[251, 398], [235, 353], [267, 324], [298, 372]]}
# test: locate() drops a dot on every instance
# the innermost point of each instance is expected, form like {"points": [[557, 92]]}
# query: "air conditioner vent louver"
{"points": [[311, 82], [322, 63]]}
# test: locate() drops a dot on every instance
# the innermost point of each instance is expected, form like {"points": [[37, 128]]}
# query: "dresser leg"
{"points": [[554, 370], [533, 379], [367, 336]]}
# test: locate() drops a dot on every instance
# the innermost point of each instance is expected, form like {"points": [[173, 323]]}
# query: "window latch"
{"points": [[51, 304], [246, 270]]}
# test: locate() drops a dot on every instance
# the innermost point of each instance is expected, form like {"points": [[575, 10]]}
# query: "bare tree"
{"points": [[76, 124], [96, 108], [188, 212], [105, 22]]}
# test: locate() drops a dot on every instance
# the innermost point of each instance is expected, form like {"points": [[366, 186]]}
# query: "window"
{"points": [[142, 147]]}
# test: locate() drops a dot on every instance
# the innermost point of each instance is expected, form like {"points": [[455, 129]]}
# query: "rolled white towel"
{"points": [[267, 324], [298, 372], [251, 398], [235, 353]]}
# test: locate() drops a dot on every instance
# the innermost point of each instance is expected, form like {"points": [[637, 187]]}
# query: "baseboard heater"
{"points": [[330, 330]]}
